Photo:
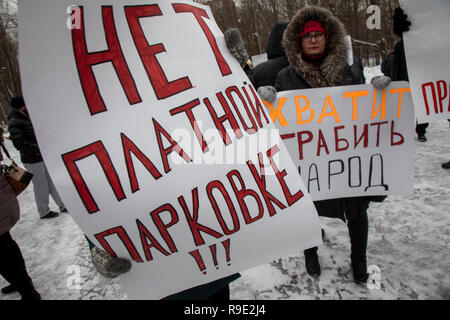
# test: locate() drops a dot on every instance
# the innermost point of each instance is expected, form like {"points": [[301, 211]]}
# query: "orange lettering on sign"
{"points": [[400, 91], [276, 113], [333, 113], [381, 108], [355, 95], [300, 110]]}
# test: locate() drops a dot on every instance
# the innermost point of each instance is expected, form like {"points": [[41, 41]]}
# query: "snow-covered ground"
{"points": [[408, 242]]}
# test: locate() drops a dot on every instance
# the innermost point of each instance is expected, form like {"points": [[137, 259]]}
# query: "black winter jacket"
{"points": [[358, 71], [288, 79], [23, 137], [399, 69], [334, 71], [264, 74]]}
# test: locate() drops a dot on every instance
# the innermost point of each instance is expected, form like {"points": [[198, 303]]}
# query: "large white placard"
{"points": [[427, 47], [349, 141], [128, 99]]}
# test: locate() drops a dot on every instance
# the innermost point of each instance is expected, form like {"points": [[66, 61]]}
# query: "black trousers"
{"points": [[12, 265], [421, 129], [358, 230]]}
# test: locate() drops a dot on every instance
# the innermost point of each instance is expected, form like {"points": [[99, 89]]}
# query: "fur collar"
{"points": [[331, 71]]}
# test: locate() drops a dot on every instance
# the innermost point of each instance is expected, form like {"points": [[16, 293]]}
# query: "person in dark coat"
{"points": [[387, 64], [24, 140], [12, 264], [265, 74], [400, 70], [358, 70], [316, 50]]}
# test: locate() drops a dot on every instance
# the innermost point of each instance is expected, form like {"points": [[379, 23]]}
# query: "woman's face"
{"points": [[314, 43]]}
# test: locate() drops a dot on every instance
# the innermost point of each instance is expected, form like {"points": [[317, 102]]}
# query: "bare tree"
{"points": [[9, 66]]}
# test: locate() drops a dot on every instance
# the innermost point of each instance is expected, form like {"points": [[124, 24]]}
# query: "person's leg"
{"points": [[5, 268], [446, 165], [358, 228], [8, 289], [421, 130], [312, 262], [13, 269], [54, 192], [40, 187]]}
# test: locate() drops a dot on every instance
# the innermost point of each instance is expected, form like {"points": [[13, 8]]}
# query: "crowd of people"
{"points": [[307, 52]]}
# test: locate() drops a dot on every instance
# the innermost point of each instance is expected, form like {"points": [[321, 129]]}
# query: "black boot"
{"points": [[421, 130], [29, 293], [312, 262], [359, 230], [9, 289], [360, 274]]}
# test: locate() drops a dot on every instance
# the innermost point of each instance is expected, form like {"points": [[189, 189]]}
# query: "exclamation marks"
{"points": [[226, 245], [199, 260], [213, 249]]}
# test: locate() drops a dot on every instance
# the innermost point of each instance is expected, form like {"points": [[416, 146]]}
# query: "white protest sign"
{"points": [[349, 141], [123, 103], [258, 59], [427, 47]]}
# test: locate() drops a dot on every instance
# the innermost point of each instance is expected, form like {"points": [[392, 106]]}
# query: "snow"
{"points": [[408, 242]]}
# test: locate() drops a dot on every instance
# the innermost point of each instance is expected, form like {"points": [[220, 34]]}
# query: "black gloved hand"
{"points": [[401, 22]]}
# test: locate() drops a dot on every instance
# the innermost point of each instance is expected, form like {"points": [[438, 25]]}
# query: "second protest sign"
{"points": [[349, 141]]}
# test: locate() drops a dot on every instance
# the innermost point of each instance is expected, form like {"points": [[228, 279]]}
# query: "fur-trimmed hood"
{"points": [[332, 68]]}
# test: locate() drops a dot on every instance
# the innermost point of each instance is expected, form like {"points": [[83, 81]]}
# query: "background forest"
{"points": [[255, 18]]}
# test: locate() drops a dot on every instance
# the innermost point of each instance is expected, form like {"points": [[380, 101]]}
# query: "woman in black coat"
{"points": [[315, 47]]}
